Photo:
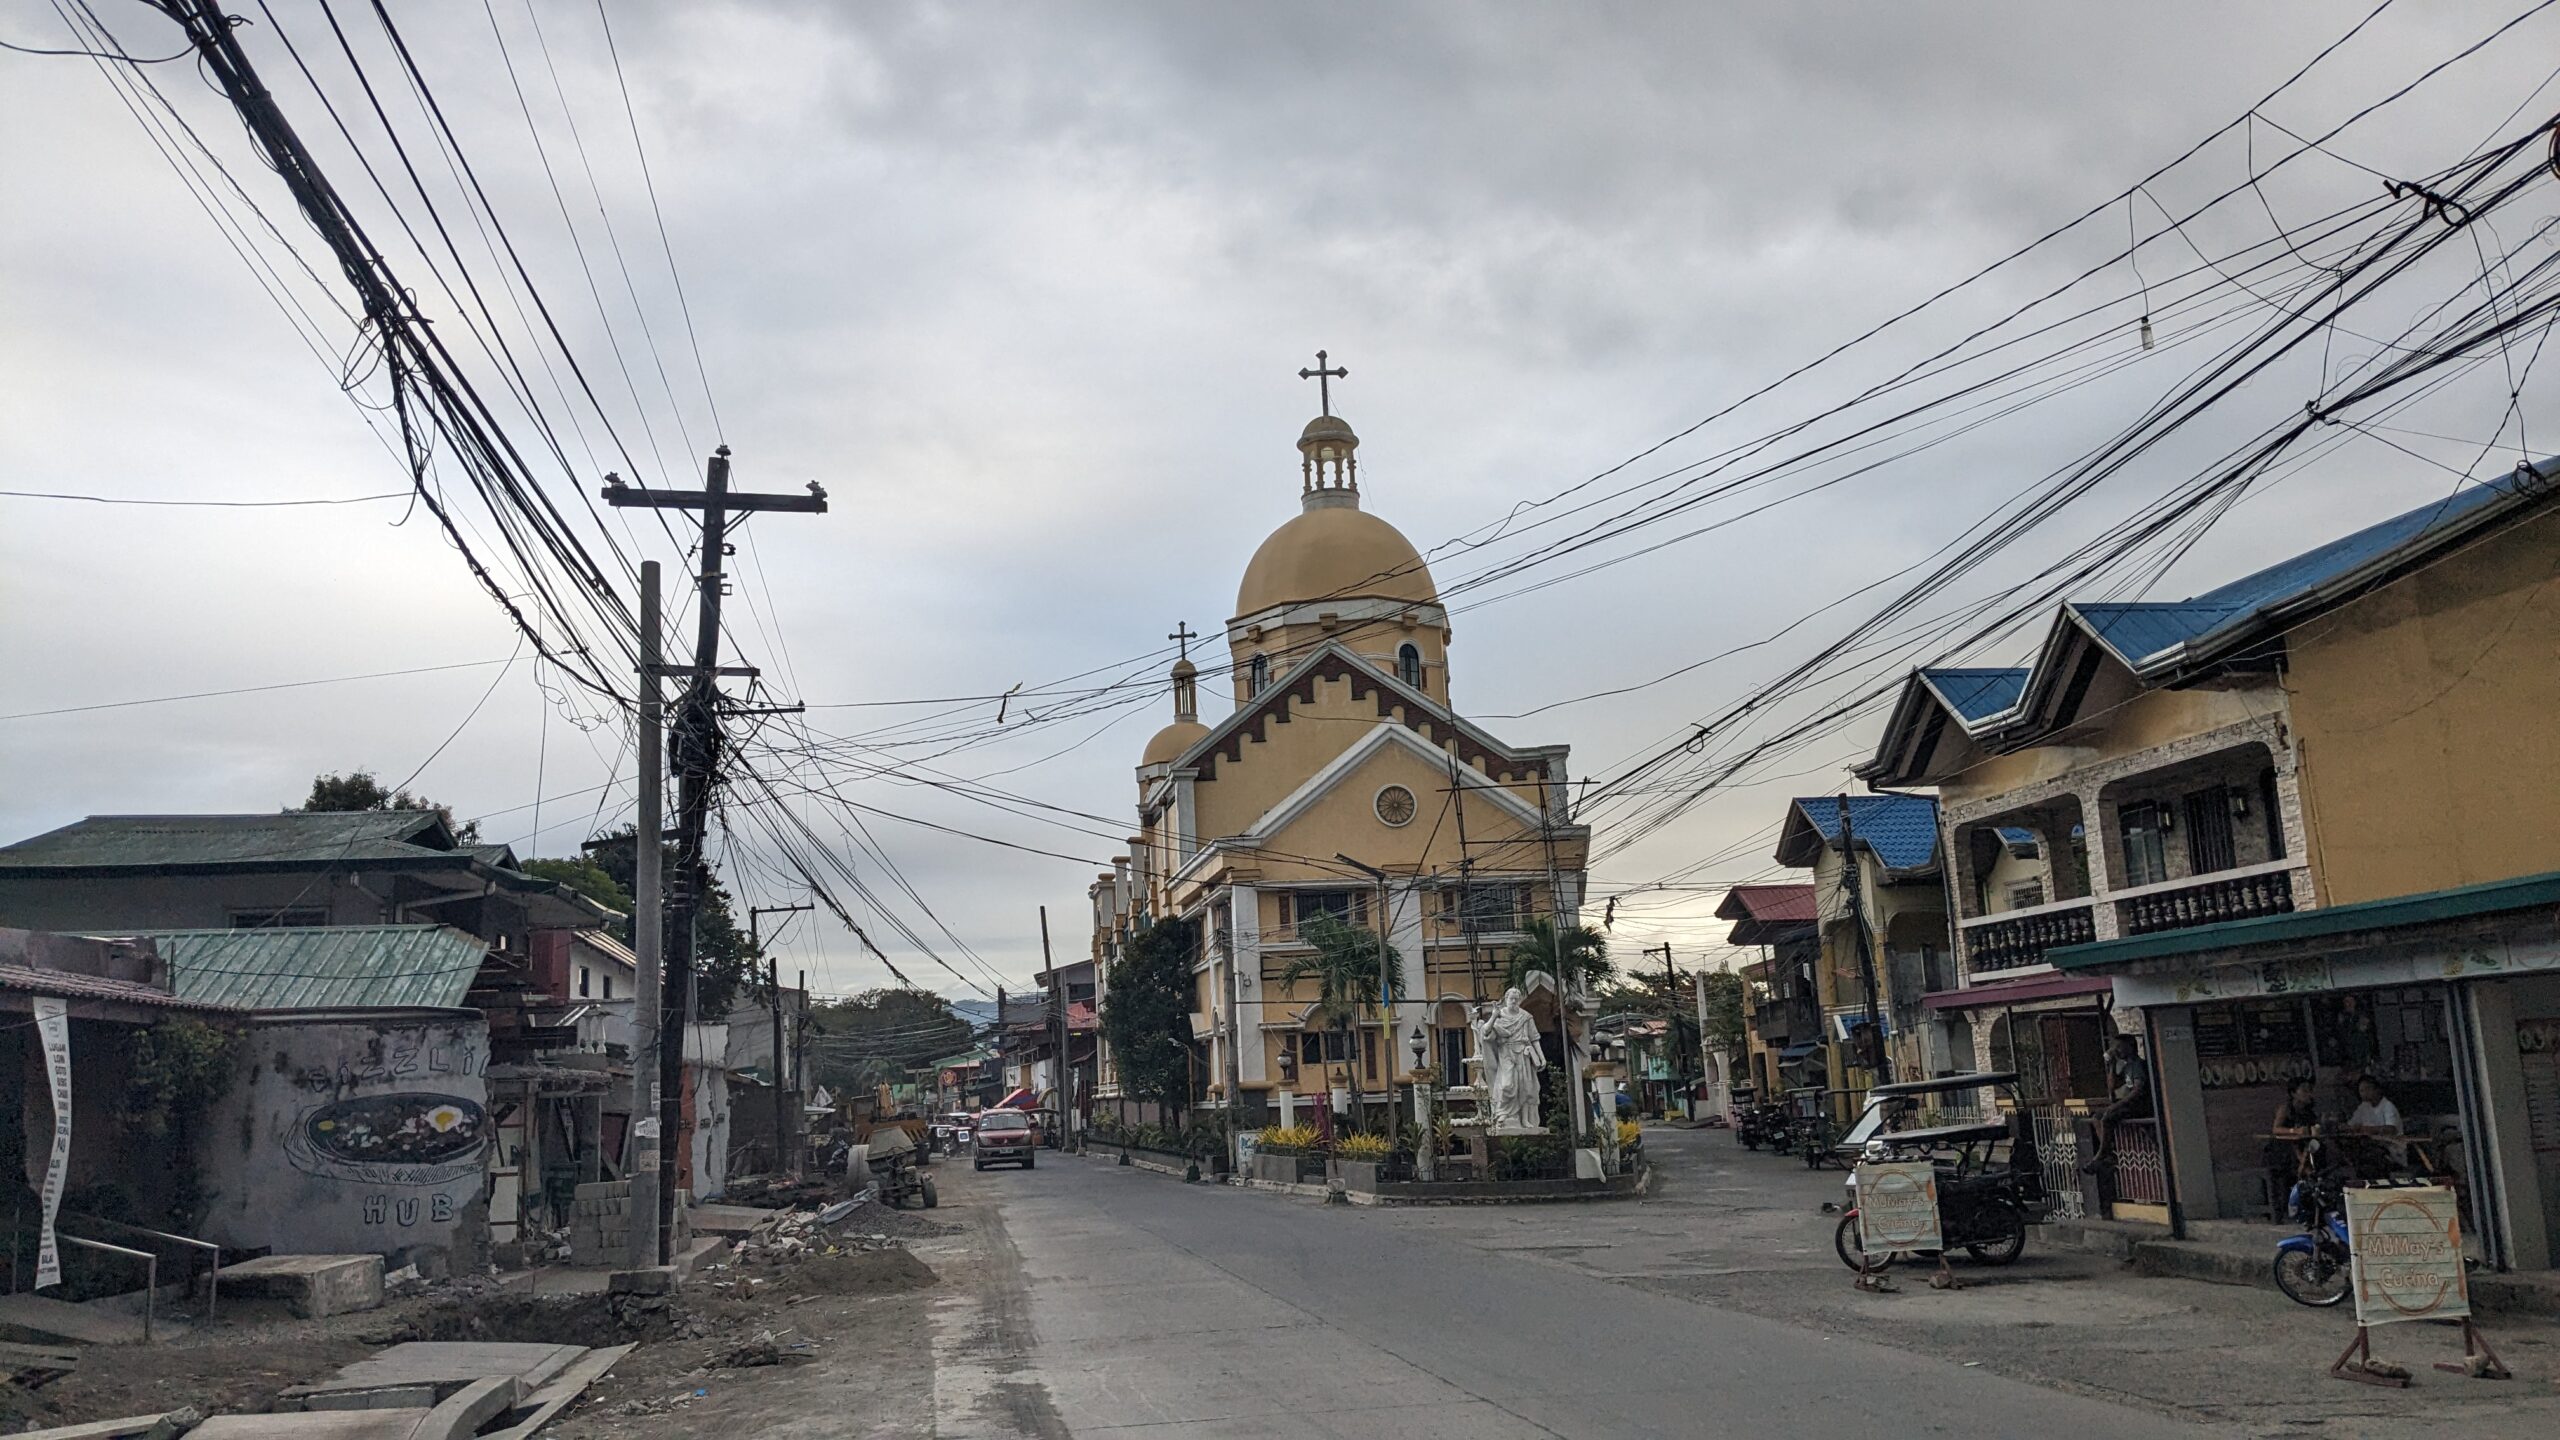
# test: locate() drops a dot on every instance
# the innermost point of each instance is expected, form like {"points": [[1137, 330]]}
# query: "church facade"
{"points": [[1342, 782]]}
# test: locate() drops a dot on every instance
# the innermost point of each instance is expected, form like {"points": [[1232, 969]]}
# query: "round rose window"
{"points": [[1395, 805]]}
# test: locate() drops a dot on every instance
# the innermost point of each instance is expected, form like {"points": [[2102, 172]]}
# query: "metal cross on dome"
{"points": [[1324, 379], [1183, 635]]}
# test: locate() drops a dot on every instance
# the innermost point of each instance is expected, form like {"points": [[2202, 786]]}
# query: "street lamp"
{"points": [[1426, 1151]]}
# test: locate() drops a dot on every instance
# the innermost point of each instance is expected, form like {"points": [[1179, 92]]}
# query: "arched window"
{"points": [[1409, 665], [1257, 675]]}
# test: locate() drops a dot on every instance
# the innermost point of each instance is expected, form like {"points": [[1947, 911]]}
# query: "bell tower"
{"points": [[1328, 451]]}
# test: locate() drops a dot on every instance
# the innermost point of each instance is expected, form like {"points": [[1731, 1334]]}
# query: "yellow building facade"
{"points": [[1340, 761]]}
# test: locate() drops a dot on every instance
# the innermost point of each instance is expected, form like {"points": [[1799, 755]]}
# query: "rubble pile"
{"points": [[792, 1235], [778, 1191]]}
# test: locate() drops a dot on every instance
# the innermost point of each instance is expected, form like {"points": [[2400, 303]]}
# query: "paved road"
{"points": [[1130, 1305]]}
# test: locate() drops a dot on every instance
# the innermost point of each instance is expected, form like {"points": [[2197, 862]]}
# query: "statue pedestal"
{"points": [[1508, 1131]]}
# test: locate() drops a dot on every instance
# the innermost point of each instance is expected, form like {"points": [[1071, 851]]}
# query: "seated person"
{"points": [[2373, 1132], [2290, 1134], [2375, 1114], [2130, 1100]]}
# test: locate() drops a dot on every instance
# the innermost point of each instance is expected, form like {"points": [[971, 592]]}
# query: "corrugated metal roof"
{"points": [[289, 838], [323, 967], [70, 985], [1768, 903], [2139, 631], [1901, 830], [1976, 694]]}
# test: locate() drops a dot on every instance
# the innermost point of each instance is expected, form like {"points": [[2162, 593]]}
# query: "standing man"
{"points": [[2132, 1091]]}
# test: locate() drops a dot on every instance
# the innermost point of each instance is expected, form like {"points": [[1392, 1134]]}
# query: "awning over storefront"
{"points": [[1794, 1053], [1983, 997]]}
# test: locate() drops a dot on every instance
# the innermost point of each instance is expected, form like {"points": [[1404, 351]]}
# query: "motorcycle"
{"points": [[1761, 1123], [2312, 1268], [1985, 1204]]}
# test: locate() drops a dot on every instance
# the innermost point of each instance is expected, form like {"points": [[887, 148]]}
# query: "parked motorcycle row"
{"points": [[1795, 1123]]}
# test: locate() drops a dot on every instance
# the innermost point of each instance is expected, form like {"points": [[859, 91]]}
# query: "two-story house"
{"points": [[1781, 1008], [2295, 827], [1881, 924]]}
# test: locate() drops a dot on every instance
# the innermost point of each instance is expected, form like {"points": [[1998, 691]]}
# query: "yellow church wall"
{"points": [[2425, 716], [1346, 821], [1285, 647]]}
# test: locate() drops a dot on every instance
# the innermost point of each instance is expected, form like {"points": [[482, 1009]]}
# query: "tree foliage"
{"points": [[587, 878], [1146, 1012], [726, 967], [1723, 992], [1578, 956], [1345, 966], [1348, 972], [880, 1036], [357, 791]]}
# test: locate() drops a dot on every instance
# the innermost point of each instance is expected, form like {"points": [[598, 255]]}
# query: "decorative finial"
{"points": [[1183, 635], [1324, 379]]}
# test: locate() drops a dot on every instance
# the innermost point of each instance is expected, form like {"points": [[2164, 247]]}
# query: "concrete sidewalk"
{"points": [[2239, 1254]]}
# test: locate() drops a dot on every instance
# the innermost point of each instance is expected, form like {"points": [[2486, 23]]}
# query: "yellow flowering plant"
{"points": [[1363, 1147], [1285, 1139]]}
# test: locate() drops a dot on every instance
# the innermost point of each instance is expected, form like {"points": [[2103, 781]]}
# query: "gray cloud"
{"points": [[1026, 285]]}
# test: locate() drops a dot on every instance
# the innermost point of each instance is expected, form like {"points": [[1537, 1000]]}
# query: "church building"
{"points": [[1342, 782]]}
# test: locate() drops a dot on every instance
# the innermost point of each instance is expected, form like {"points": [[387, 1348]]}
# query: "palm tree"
{"points": [[1346, 966], [1577, 957]]}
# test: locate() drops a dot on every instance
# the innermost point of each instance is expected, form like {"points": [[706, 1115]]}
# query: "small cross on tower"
{"points": [[1324, 379], [1183, 635]]}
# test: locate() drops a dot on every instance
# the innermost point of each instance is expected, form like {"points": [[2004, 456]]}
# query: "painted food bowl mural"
{"points": [[400, 1139]]}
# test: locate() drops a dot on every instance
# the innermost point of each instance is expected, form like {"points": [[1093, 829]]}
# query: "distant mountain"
{"points": [[979, 1013]]}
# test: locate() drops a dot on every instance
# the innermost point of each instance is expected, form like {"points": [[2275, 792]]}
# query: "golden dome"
{"points": [[1334, 552], [1171, 741]]}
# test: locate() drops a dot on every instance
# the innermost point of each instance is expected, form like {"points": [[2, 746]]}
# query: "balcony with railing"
{"points": [[2017, 939], [2244, 893]]}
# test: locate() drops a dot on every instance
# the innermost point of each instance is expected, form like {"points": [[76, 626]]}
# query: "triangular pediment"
{"points": [[1391, 699], [1388, 754]]}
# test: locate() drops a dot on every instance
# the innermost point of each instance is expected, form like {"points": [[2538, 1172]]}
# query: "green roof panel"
{"points": [[288, 838], [323, 967]]}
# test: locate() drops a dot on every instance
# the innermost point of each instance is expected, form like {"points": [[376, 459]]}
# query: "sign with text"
{"points": [[1897, 1206], [53, 1029], [2406, 1246]]}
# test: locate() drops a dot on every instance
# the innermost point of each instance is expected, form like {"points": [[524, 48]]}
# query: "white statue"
{"points": [[1507, 1038]]}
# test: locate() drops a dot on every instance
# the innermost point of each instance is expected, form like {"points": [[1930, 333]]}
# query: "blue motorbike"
{"points": [[2312, 1268]]}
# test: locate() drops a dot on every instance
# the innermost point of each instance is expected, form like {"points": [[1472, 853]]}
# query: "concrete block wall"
{"points": [[600, 1224]]}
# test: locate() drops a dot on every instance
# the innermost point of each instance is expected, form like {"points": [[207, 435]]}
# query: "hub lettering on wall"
{"points": [[436, 1209]]}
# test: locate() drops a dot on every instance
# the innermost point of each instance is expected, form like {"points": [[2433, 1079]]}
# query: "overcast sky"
{"points": [[1026, 287]]}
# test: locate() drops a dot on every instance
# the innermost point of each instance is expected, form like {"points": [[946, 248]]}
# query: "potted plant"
{"points": [[1361, 1158]]}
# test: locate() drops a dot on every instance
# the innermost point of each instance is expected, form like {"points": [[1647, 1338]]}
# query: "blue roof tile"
{"points": [[1901, 830], [2138, 631], [1975, 695]]}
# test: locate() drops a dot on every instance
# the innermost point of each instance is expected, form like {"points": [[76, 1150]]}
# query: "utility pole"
{"points": [[697, 759], [1386, 977], [1466, 874], [1670, 1010], [1577, 1089], [644, 1143], [786, 1154], [1850, 887], [1057, 1032]]}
